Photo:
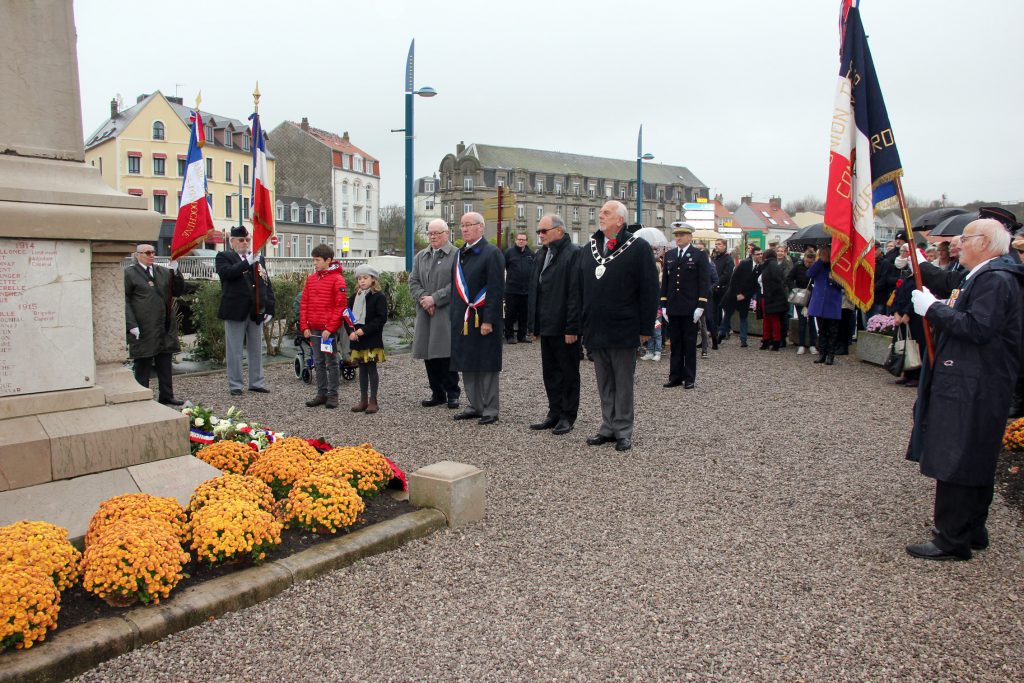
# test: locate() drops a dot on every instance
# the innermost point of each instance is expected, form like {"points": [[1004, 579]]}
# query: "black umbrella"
{"points": [[811, 236], [927, 221], [954, 225]]}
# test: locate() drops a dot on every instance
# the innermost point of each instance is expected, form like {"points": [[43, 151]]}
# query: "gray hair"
{"points": [[556, 221], [621, 210], [997, 236]]}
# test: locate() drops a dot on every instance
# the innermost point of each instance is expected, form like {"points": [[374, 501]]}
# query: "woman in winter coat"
{"points": [[773, 300], [369, 313], [826, 305], [807, 334]]}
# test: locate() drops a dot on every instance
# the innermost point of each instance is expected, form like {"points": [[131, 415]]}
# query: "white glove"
{"points": [[664, 314], [252, 258], [922, 300], [266, 318], [697, 313], [173, 265], [135, 331]]}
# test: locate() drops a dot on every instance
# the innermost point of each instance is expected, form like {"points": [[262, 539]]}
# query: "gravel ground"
{"points": [[755, 532]]}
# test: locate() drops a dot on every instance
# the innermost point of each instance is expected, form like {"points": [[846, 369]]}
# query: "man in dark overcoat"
{"points": [[430, 284], [723, 263], [685, 292], [555, 302], [964, 396], [620, 303], [742, 288], [478, 285], [150, 320], [518, 267], [243, 320]]}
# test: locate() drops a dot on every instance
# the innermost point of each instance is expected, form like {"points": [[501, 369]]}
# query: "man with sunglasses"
{"points": [[149, 317], [554, 317], [243, 319]]}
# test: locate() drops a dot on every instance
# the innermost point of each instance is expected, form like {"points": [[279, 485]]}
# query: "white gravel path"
{"points": [[755, 532]]}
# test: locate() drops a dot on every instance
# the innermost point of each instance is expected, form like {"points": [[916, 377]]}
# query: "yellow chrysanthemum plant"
{"points": [[227, 456], [136, 559], [233, 530], [1013, 437], [232, 487], [44, 546], [29, 604], [364, 468], [292, 444], [322, 503], [130, 507], [279, 469]]}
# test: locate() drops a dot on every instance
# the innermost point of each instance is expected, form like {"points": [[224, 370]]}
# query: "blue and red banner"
{"points": [[262, 206], [194, 221], [863, 165]]}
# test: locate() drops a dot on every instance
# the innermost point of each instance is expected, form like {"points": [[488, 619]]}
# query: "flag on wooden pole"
{"points": [[194, 222], [262, 207]]}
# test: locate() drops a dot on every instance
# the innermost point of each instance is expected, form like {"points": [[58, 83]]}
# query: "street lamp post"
{"points": [[410, 90], [641, 157]]}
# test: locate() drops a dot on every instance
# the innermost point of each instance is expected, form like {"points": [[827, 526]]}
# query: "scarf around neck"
{"points": [[359, 307]]}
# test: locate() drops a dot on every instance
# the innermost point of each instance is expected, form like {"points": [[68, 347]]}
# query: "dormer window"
{"points": [[228, 142], [209, 132], [245, 142], [158, 130], [323, 216], [295, 212], [309, 213], [280, 211]]}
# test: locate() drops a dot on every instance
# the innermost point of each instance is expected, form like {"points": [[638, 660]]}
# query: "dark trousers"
{"points": [[560, 365], [717, 301], [444, 383], [683, 333], [828, 336], [162, 361], [516, 306], [960, 516]]}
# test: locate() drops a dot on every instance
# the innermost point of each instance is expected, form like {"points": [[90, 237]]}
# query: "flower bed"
{"points": [[322, 503], [43, 546], [29, 604], [230, 530]]}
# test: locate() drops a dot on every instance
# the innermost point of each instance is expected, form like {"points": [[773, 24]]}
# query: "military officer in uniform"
{"points": [[685, 290]]}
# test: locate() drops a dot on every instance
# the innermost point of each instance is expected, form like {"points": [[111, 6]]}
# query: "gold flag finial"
{"points": [[199, 98], [256, 97]]}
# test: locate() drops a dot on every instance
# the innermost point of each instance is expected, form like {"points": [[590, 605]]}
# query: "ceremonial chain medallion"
{"points": [[601, 260]]}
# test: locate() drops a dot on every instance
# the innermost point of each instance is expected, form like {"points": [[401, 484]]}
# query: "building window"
{"points": [[540, 186], [622, 191], [227, 206], [228, 142], [227, 171], [428, 186], [576, 188], [467, 207], [309, 246], [358, 164], [428, 205], [344, 216], [158, 166], [368, 218], [134, 164], [245, 210], [280, 211], [592, 189], [608, 190], [540, 212], [344, 192], [209, 133], [323, 216], [520, 211], [499, 181], [369, 190], [558, 188], [575, 213], [467, 183], [158, 130], [520, 185], [245, 173], [295, 245], [309, 214], [160, 203], [209, 167], [181, 167], [323, 239], [245, 142], [295, 212], [592, 213]]}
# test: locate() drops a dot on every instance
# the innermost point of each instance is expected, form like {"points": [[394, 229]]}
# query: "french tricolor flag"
{"points": [[194, 222], [262, 207]]}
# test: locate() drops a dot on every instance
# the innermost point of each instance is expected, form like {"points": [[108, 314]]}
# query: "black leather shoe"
{"points": [[563, 427], [236, 392], [511, 341], [259, 390], [452, 405], [743, 345], [623, 445], [172, 401], [671, 384], [548, 423], [431, 402], [689, 385], [599, 439], [488, 419], [830, 359], [930, 551], [977, 542], [467, 415]]}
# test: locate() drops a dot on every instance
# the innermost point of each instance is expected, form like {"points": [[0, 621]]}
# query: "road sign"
{"points": [[508, 199], [507, 214], [273, 240], [345, 244], [699, 207]]}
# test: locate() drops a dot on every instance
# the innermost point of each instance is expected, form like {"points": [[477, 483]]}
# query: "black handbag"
{"points": [[902, 357]]}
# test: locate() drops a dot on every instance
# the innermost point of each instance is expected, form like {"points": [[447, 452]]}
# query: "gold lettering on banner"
{"points": [[839, 126], [845, 183], [863, 205], [881, 140]]}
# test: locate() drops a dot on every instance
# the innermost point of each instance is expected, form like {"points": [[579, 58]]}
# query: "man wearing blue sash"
{"points": [[478, 284]]}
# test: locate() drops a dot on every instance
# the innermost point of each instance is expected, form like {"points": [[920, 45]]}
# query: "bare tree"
{"points": [[392, 228], [807, 203]]}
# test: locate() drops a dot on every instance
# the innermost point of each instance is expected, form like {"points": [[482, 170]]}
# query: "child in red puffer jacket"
{"points": [[320, 315]]}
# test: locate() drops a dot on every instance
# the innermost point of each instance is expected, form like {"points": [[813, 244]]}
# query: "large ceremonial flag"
{"points": [[194, 222], [863, 165], [262, 207]]}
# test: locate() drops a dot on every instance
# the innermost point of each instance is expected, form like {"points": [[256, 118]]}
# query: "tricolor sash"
{"points": [[463, 289]]}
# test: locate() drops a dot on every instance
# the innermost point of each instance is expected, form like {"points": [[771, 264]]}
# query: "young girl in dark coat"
{"points": [[369, 313]]}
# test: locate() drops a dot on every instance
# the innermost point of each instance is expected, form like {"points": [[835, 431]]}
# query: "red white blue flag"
{"points": [[863, 165], [194, 221], [262, 207]]}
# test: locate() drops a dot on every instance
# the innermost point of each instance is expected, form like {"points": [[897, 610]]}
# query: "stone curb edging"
{"points": [[68, 653]]}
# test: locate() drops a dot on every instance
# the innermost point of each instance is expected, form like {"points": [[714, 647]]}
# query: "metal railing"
{"points": [[202, 268]]}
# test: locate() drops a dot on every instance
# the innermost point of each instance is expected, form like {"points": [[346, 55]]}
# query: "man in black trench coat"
{"points": [[964, 397]]}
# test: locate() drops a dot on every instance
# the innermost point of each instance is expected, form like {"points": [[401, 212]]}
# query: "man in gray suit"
{"points": [[430, 283]]}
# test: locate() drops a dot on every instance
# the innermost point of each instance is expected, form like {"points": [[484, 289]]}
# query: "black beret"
{"points": [[239, 231]]}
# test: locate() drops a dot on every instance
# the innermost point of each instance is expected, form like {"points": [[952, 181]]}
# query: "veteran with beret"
{"points": [[685, 291]]}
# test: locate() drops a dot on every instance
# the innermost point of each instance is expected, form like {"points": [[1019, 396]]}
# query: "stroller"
{"points": [[303, 364]]}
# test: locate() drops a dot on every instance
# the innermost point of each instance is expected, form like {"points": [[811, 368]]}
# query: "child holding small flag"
{"points": [[369, 313], [320, 316]]}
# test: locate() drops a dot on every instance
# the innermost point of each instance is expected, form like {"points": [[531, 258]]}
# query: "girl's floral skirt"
{"points": [[367, 356]]}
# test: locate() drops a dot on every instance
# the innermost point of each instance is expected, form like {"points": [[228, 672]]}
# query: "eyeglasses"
{"points": [[964, 238], [242, 239], [147, 253], [469, 225], [544, 231], [437, 234]]}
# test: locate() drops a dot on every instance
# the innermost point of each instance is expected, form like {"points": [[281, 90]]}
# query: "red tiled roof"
{"points": [[721, 211], [781, 218], [335, 142]]}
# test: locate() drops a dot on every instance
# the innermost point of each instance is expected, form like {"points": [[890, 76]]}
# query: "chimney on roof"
{"points": [[344, 136], [175, 100], [305, 124], [718, 198], [775, 203], [460, 148], [113, 108], [141, 97], [746, 200]]}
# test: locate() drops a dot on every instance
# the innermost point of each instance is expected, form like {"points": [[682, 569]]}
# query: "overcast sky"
{"points": [[738, 91]]}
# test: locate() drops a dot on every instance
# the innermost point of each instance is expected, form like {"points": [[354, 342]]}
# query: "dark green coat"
{"points": [[146, 307]]}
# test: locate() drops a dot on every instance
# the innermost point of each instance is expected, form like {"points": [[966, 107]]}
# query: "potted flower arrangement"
{"points": [[366, 470], [227, 456], [233, 486], [1013, 437], [873, 342], [29, 604], [133, 507], [206, 428], [322, 504], [233, 530], [44, 546], [280, 468]]}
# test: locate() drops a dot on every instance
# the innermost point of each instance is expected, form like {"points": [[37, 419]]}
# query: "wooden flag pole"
{"points": [[914, 263]]}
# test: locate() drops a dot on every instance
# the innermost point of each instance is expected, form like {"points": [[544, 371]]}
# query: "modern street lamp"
{"points": [[641, 157], [410, 90]]}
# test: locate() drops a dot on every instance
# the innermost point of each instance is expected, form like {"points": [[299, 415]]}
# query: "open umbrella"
{"points": [[954, 225], [654, 237], [927, 221], [812, 236], [706, 234]]}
